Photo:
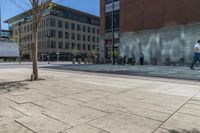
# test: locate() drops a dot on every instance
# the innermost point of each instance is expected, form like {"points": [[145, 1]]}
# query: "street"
{"points": [[65, 101]]}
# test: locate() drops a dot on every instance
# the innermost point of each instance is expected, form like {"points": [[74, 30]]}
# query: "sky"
{"points": [[9, 9]]}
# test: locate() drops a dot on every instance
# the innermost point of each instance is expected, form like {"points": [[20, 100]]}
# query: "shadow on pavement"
{"points": [[7, 87], [185, 131]]}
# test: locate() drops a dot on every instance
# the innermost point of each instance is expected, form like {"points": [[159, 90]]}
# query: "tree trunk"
{"points": [[34, 56]]}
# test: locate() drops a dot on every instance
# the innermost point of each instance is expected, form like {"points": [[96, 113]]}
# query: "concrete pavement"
{"points": [[81, 102]]}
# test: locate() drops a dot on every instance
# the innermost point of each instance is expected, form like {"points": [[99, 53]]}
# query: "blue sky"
{"points": [[8, 9]]}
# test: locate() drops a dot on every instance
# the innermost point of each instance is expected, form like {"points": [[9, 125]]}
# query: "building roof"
{"points": [[9, 49], [56, 6]]}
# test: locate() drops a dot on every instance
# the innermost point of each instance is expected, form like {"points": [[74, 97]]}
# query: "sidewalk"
{"points": [[146, 70], [81, 102]]}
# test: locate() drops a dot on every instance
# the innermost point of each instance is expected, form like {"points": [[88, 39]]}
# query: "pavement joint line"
{"points": [[18, 111], [176, 111], [43, 113], [98, 128], [94, 108], [25, 126]]}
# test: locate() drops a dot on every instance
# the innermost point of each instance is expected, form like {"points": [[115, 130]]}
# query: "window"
{"points": [[93, 47], [73, 26], [66, 25], [109, 21], [89, 47], [79, 46], [89, 38], [73, 46], [89, 29], [84, 29], [84, 37], [60, 23], [84, 46], [73, 36], [79, 37], [60, 46], [97, 39], [78, 27], [93, 30], [53, 44], [93, 39], [97, 31], [52, 22], [60, 34], [66, 35], [52, 33], [67, 45]]}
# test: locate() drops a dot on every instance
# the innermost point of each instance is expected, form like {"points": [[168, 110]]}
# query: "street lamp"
{"points": [[113, 34]]}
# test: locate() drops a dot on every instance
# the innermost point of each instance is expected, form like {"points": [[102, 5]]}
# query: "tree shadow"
{"points": [[7, 87], [185, 131]]}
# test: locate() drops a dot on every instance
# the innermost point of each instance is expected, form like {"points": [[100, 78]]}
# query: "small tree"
{"points": [[38, 7]]}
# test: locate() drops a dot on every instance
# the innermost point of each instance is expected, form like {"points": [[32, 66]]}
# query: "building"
{"points": [[64, 33], [9, 51], [165, 31], [5, 35]]}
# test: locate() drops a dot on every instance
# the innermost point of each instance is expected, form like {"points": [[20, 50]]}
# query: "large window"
{"points": [[73, 36], [66, 25], [73, 27], [66, 35], [61, 45], [60, 34], [109, 21], [53, 22], [60, 23]]}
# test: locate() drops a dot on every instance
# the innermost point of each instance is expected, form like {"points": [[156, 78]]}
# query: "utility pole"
{"points": [[0, 22], [113, 34]]}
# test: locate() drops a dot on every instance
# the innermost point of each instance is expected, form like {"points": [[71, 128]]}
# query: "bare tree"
{"points": [[38, 7]]}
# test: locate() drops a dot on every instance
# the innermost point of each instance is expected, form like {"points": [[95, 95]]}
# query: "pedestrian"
{"points": [[196, 54], [141, 58]]}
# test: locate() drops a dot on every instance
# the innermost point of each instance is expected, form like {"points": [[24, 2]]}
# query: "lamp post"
{"points": [[113, 34]]}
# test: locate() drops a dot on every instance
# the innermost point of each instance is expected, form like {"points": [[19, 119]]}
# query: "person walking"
{"points": [[196, 54]]}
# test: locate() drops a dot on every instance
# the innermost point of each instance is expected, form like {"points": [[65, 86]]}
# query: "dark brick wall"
{"points": [[149, 14]]}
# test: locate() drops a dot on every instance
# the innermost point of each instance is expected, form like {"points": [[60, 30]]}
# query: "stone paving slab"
{"points": [[14, 127], [42, 124], [85, 128], [125, 123], [80, 102]]}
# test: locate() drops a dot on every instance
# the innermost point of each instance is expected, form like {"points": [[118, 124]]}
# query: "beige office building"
{"points": [[63, 33]]}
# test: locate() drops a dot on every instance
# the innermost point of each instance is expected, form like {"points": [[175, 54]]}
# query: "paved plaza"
{"points": [[66, 101]]}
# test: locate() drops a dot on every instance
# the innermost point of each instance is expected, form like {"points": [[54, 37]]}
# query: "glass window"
{"points": [[89, 29], [60, 34], [73, 46], [78, 27], [52, 33], [60, 23], [60, 45], [84, 29], [73, 26], [66, 35], [89, 38], [93, 39], [79, 37], [84, 46], [84, 37], [93, 47], [73, 36], [67, 45], [93, 30], [53, 44], [66, 25], [89, 47], [53, 22], [79, 46]]}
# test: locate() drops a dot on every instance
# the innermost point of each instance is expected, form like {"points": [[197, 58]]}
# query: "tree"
{"points": [[38, 7]]}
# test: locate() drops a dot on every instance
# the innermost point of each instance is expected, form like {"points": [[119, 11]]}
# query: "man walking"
{"points": [[196, 54]]}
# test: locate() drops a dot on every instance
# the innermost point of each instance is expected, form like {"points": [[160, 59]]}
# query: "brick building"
{"points": [[63, 34], [163, 30]]}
